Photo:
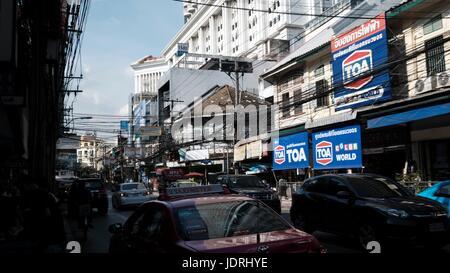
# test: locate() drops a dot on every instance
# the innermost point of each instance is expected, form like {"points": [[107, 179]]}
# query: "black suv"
{"points": [[371, 207], [98, 192], [253, 187]]}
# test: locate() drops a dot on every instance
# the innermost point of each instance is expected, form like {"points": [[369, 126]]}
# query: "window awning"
{"points": [[408, 116]]}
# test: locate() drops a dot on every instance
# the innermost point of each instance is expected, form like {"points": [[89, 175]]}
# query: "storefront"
{"points": [[423, 139], [385, 150]]}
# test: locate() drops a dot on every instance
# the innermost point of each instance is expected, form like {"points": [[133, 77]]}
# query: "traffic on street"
{"points": [[225, 134]]}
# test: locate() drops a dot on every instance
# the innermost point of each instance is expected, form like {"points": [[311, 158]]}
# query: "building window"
{"points": [[320, 71], [433, 25], [435, 56], [297, 99], [322, 94], [285, 101]]}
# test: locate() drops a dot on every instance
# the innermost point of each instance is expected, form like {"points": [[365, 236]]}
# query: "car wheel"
{"points": [[366, 234], [300, 222]]}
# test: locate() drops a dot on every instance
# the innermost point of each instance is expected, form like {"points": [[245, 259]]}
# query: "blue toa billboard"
{"points": [[291, 152], [337, 148], [357, 58]]}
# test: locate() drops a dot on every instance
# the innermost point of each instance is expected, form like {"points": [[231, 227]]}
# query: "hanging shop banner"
{"points": [[239, 153], [254, 150], [338, 148], [355, 54], [291, 152]]}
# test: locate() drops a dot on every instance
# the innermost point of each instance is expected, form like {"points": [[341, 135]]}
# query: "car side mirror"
{"points": [[115, 228], [344, 195]]}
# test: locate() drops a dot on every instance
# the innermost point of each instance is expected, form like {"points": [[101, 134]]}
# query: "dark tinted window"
{"points": [[335, 186], [246, 182], [151, 224], [377, 187], [227, 219], [318, 185], [444, 189], [93, 184]]}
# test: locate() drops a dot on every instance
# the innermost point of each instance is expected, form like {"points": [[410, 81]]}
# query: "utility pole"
{"points": [[119, 142], [172, 102], [237, 66], [236, 103]]}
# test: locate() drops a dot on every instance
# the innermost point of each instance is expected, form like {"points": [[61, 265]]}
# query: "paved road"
{"points": [[98, 237]]}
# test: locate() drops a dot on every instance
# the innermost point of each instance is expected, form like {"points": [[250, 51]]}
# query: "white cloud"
{"points": [[123, 110]]}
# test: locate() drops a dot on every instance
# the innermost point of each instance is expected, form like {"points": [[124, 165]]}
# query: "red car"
{"points": [[205, 219]]}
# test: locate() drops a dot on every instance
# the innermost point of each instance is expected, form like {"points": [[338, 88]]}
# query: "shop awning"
{"points": [[408, 116]]}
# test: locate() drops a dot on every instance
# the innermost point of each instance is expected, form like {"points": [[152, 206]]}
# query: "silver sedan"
{"points": [[131, 194]]}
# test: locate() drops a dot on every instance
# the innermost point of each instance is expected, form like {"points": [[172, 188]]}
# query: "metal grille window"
{"points": [[435, 56], [286, 111], [297, 97], [321, 93]]}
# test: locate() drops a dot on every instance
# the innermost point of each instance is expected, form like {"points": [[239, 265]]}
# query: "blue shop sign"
{"points": [[338, 148], [291, 152], [355, 55]]}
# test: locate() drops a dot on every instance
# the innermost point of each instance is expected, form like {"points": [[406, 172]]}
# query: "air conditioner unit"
{"points": [[442, 79], [422, 85]]}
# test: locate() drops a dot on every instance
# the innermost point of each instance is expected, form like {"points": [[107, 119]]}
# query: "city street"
{"points": [[98, 237], [335, 114]]}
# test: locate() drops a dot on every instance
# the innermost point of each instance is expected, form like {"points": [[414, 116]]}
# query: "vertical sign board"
{"points": [[182, 49], [355, 54], [337, 148], [291, 152], [124, 125]]}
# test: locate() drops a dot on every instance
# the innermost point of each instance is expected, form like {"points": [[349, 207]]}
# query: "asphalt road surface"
{"points": [[98, 236]]}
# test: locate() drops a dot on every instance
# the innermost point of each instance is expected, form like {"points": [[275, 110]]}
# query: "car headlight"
{"points": [[397, 213]]}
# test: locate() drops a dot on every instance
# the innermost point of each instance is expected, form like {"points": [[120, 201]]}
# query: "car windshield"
{"points": [[246, 182], [377, 187], [227, 219], [93, 184], [128, 187]]}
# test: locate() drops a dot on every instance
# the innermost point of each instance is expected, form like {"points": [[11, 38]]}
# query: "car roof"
{"points": [[345, 175], [205, 199]]}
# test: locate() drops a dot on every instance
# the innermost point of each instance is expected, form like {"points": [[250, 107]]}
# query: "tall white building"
{"points": [[246, 28]]}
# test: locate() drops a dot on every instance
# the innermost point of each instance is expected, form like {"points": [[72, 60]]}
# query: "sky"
{"points": [[117, 34]]}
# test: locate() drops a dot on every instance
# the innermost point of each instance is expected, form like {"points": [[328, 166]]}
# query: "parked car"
{"points": [[205, 219], [130, 194], [439, 192], [98, 191], [370, 207], [252, 186]]}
